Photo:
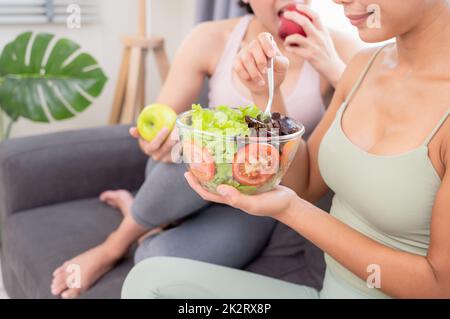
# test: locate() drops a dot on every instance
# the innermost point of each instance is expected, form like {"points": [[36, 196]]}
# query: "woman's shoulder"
{"points": [[214, 31], [363, 56], [356, 67], [346, 44], [209, 39]]}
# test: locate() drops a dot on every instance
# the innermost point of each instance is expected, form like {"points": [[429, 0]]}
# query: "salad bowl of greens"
{"points": [[240, 147]]}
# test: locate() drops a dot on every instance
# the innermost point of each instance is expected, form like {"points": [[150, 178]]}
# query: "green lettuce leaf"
{"points": [[224, 121]]}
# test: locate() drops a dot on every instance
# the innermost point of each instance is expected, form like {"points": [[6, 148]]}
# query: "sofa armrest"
{"points": [[54, 168]]}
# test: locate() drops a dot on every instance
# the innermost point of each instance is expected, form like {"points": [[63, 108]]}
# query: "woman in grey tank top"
{"points": [[218, 234], [383, 148]]}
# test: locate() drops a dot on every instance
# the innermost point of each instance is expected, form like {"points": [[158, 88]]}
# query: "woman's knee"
{"points": [[220, 235], [165, 196]]}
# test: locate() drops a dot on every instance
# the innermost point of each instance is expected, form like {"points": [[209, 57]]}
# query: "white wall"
{"points": [[333, 16], [171, 19]]}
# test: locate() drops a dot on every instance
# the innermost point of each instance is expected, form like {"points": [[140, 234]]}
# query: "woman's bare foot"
{"points": [[121, 199], [78, 274]]}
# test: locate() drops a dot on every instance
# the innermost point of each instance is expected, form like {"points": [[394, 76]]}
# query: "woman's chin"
{"points": [[369, 35]]}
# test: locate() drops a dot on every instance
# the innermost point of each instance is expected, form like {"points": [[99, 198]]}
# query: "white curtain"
{"points": [[218, 9]]}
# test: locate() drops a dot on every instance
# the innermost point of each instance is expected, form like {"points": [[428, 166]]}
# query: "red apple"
{"points": [[288, 27]]}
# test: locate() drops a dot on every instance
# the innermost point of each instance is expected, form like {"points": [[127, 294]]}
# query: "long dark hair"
{"points": [[246, 6]]}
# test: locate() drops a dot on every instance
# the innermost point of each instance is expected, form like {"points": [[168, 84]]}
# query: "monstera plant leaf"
{"points": [[43, 82]]}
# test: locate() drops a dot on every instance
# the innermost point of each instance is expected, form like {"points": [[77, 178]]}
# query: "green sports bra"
{"points": [[388, 198]]}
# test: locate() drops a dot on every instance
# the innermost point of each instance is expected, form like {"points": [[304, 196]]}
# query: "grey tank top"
{"points": [[387, 198]]}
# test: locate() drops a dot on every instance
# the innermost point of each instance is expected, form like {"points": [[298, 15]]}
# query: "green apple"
{"points": [[153, 119]]}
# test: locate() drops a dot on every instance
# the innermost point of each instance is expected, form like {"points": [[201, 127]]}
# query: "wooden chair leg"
{"points": [[129, 97], [130, 89], [132, 86], [120, 88], [142, 85]]}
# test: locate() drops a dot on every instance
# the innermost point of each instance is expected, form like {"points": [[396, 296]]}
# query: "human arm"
{"points": [[327, 50], [402, 274], [194, 60]]}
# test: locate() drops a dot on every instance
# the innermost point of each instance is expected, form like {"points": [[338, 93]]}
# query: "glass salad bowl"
{"points": [[219, 148]]}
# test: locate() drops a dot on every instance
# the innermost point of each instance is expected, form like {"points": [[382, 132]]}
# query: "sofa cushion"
{"points": [[40, 239]]}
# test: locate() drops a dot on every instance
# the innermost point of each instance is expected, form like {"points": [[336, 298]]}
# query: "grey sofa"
{"points": [[50, 212]]}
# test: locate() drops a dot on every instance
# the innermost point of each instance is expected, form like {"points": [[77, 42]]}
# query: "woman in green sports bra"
{"points": [[383, 147]]}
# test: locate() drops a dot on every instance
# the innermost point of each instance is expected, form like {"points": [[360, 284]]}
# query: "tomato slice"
{"points": [[255, 164], [288, 153], [200, 161]]}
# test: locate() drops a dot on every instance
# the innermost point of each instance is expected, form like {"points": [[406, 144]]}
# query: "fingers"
{"points": [[156, 143], [280, 64], [267, 44], [304, 22], [149, 147], [164, 150], [233, 197], [312, 14], [164, 153], [193, 182], [229, 195], [240, 70], [251, 62], [247, 57], [160, 148], [300, 46], [259, 56], [296, 40], [301, 52], [134, 132], [175, 154]]}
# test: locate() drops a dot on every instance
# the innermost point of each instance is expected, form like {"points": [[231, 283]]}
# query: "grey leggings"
{"points": [[213, 233]]}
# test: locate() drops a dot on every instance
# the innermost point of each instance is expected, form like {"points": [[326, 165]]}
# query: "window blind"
{"points": [[46, 11]]}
